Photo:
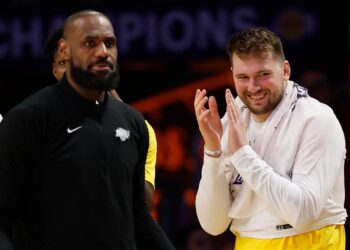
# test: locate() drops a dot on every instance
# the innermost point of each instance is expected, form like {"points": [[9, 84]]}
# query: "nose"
{"points": [[253, 86], [102, 51]]}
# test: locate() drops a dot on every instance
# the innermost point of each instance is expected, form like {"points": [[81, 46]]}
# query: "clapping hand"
{"points": [[209, 122], [237, 136]]}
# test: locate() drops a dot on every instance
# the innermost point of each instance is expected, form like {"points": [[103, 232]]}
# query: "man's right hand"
{"points": [[209, 122]]}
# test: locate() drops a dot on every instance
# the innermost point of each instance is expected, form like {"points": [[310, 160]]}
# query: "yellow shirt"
{"points": [[150, 167]]}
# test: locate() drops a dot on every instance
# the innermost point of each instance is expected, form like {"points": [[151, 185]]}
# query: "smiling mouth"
{"points": [[257, 97]]}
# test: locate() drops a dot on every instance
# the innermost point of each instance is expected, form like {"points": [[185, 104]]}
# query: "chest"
{"points": [[91, 147]]}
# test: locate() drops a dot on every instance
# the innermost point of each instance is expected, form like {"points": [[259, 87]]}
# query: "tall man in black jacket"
{"points": [[72, 158]]}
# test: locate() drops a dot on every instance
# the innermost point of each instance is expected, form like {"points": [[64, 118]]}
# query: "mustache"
{"points": [[102, 61]]}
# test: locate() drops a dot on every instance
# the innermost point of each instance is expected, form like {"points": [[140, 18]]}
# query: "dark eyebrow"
{"points": [[97, 37], [89, 37]]}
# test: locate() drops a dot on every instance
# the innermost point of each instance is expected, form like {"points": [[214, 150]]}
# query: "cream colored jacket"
{"points": [[295, 184]]}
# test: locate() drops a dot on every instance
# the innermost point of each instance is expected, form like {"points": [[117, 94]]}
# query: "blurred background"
{"points": [[168, 49]]}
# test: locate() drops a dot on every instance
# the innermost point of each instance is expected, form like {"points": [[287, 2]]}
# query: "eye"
{"points": [[110, 43], [90, 43], [262, 74], [242, 77]]}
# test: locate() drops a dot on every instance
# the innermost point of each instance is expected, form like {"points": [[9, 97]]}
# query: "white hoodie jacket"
{"points": [[295, 184]]}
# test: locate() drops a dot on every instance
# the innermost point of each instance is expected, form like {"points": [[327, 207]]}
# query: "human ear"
{"points": [[63, 49], [286, 70]]}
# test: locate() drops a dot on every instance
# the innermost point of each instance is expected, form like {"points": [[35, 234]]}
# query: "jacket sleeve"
{"points": [[148, 233], [318, 164], [213, 197], [17, 150]]}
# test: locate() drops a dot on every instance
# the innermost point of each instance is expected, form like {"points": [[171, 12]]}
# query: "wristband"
{"points": [[211, 153]]}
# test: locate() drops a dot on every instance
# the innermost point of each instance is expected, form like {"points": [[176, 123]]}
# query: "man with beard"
{"points": [[58, 70], [72, 158], [274, 164]]}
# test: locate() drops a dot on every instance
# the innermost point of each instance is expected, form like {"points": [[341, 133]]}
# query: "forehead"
{"points": [[253, 62], [91, 26], [262, 56]]}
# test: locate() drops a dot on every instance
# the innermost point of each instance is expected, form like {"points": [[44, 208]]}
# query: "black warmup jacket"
{"points": [[72, 175]]}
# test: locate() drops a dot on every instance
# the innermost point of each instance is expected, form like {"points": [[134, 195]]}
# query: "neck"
{"points": [[261, 117]]}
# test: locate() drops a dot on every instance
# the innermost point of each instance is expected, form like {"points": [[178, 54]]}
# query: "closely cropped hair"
{"points": [[82, 13], [255, 41], [51, 45]]}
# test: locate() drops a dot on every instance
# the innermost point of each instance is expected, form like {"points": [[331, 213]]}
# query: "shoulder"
{"points": [[318, 117], [152, 137], [28, 119], [311, 108], [36, 103], [150, 129]]}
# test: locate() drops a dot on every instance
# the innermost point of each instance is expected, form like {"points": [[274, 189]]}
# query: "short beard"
{"points": [[90, 81], [267, 109]]}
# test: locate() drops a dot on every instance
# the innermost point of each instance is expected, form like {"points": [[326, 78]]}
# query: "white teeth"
{"points": [[257, 97]]}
